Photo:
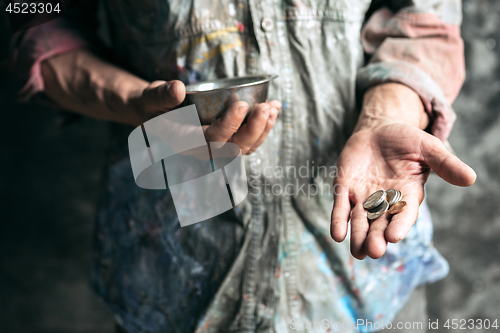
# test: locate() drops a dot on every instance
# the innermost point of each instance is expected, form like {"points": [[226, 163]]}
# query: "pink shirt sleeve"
{"points": [[420, 50], [34, 45]]}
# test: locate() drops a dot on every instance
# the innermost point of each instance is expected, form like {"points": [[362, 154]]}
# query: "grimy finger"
{"points": [[340, 213], [376, 244], [161, 95], [222, 129], [359, 231], [273, 114], [445, 164], [250, 132], [401, 223]]}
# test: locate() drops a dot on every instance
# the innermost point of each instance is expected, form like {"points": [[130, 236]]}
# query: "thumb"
{"points": [[445, 164], [162, 95]]}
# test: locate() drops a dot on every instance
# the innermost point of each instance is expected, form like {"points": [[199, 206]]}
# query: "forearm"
{"points": [[81, 82], [419, 46], [391, 103]]}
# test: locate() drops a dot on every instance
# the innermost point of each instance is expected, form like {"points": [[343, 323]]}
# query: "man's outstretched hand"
{"points": [[84, 83], [388, 149]]}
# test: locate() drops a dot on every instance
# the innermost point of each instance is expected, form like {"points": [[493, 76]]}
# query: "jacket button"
{"points": [[267, 24]]}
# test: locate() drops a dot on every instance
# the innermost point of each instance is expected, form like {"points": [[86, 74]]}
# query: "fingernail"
{"points": [[171, 90], [266, 112], [242, 109], [272, 116]]}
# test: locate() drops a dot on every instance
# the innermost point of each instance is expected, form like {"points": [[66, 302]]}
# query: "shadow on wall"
{"points": [[49, 187]]}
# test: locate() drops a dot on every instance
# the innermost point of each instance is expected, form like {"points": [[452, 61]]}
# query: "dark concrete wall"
{"points": [[467, 221], [50, 179]]}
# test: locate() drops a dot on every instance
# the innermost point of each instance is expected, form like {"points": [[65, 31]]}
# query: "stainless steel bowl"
{"points": [[212, 98]]}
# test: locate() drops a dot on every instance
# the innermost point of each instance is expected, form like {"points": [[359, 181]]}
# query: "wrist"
{"points": [[391, 103]]}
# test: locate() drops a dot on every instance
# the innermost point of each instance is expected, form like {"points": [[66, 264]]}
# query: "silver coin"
{"points": [[377, 212], [393, 196], [400, 196], [375, 199]]}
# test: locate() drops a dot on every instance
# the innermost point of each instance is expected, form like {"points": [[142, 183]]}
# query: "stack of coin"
{"points": [[393, 196], [380, 201]]}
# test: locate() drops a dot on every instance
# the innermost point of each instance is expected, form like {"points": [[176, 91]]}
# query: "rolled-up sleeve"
{"points": [[419, 46], [75, 30]]}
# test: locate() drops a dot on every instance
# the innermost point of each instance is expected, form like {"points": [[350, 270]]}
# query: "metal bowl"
{"points": [[212, 98]]}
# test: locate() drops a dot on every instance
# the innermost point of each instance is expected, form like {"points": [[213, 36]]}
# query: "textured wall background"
{"points": [[49, 187], [467, 221]]}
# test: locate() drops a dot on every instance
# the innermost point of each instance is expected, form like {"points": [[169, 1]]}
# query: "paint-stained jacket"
{"points": [[269, 265]]}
